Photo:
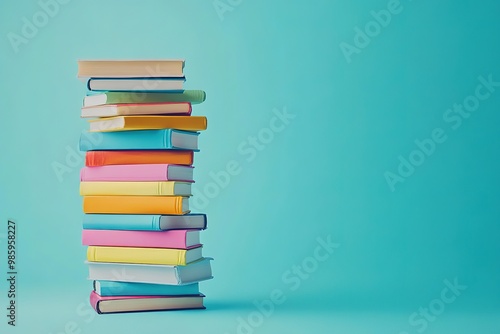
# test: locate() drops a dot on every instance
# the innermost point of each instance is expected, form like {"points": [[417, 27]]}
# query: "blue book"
{"points": [[112, 288], [140, 140], [144, 222]]}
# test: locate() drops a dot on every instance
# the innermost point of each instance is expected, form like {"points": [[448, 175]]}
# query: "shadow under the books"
{"points": [[227, 305]]}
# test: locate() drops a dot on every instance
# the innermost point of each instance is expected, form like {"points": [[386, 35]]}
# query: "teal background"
{"points": [[322, 175]]}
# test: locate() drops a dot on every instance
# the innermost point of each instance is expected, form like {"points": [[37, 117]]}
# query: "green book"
{"points": [[192, 96]]}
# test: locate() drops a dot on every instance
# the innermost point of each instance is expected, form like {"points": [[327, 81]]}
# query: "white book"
{"points": [[147, 273]]}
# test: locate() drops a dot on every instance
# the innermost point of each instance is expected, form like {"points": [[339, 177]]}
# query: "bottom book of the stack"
{"points": [[119, 304]]}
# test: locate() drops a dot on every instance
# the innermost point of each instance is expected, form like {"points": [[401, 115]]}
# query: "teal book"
{"points": [[144, 222], [112, 288], [192, 96], [163, 139]]}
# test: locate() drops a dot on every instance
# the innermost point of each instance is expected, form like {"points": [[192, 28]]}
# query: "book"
{"points": [[142, 255], [155, 274], [103, 158], [113, 288], [129, 123], [169, 205], [136, 188], [122, 304], [136, 84], [130, 68], [145, 172], [181, 239], [142, 222], [95, 99], [166, 108], [142, 140]]}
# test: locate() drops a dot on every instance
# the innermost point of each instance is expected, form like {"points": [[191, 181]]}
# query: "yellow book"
{"points": [[124, 123], [162, 188], [137, 255]]}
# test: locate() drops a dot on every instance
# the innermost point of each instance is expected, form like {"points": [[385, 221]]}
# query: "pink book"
{"points": [[181, 239], [144, 303], [144, 172]]}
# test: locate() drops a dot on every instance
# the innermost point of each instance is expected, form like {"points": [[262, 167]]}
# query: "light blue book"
{"points": [[112, 288], [144, 222], [140, 140]]}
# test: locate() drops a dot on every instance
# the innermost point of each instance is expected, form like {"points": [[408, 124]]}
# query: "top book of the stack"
{"points": [[172, 68]]}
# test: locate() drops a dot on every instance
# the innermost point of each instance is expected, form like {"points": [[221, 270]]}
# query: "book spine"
{"points": [[94, 301], [151, 205], [165, 256], [121, 222], [149, 239], [112, 289]]}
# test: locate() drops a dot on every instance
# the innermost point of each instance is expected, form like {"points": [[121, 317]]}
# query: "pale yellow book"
{"points": [[135, 188], [165, 256]]}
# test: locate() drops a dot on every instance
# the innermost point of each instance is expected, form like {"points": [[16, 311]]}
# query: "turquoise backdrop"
{"points": [[349, 170]]}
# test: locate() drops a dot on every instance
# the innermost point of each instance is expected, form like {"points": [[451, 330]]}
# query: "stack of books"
{"points": [[144, 251]]}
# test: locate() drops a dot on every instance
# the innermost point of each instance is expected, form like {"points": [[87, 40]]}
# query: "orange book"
{"points": [[153, 205], [103, 158], [124, 123]]}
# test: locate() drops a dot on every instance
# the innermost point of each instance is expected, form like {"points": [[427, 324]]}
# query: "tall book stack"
{"points": [[144, 251]]}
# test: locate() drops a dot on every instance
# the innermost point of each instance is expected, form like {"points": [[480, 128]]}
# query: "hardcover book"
{"points": [[109, 110], [167, 256], [192, 96], [170, 157], [144, 222], [197, 271], [136, 188], [113, 288], [145, 172], [136, 84], [115, 68], [130, 123], [159, 205], [181, 239], [122, 304], [142, 140]]}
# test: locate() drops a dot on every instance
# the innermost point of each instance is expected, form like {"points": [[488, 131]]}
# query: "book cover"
{"points": [[141, 140], [135, 188], [142, 255], [144, 172], [121, 304], [114, 288], [168, 205], [144, 222], [109, 110], [145, 84], [180, 239], [130, 123], [192, 96], [170, 157], [117, 68], [193, 272]]}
